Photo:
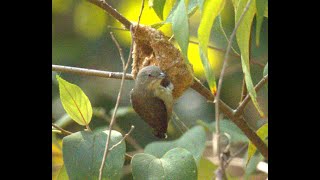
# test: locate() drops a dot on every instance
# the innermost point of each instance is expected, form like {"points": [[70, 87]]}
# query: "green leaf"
{"points": [[211, 9], [157, 6], [177, 163], [266, 10], [206, 169], [227, 126], [260, 6], [243, 38], [262, 132], [252, 165], [193, 140], [83, 152], [75, 102], [62, 175], [180, 27], [265, 70]]}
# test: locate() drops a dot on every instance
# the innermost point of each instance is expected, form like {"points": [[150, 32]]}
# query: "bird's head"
{"points": [[150, 77]]}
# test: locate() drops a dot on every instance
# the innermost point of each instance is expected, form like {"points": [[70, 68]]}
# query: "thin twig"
{"points": [[115, 110], [141, 10], [113, 12], [62, 130], [197, 86], [124, 137], [225, 64], [119, 49], [91, 72], [247, 99]]}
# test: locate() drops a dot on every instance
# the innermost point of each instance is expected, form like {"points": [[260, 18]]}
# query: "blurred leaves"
{"points": [[211, 9], [260, 6], [61, 6], [252, 165], [262, 132], [226, 126], [83, 152], [177, 163], [157, 6], [62, 175], [206, 169], [243, 39], [75, 102], [89, 20], [180, 28], [193, 140]]}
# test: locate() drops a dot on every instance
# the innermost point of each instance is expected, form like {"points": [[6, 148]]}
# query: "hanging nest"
{"points": [[151, 47]]}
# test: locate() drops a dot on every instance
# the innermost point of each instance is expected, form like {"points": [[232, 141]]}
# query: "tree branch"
{"points": [[62, 130], [113, 12], [229, 112], [90, 72], [247, 99], [115, 109], [124, 137]]}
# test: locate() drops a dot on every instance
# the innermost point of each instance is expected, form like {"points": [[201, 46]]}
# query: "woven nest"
{"points": [[151, 47]]}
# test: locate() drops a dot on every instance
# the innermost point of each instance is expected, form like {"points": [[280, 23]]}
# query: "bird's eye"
{"points": [[149, 75]]}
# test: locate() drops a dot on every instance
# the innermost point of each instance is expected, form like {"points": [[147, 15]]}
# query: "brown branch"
{"points": [[90, 72], [115, 110], [229, 112], [247, 99], [113, 12], [62, 130], [217, 98]]}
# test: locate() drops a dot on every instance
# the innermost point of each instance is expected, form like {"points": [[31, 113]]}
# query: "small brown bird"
{"points": [[152, 99]]}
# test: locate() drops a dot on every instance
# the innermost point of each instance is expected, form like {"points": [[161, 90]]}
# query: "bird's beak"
{"points": [[162, 75]]}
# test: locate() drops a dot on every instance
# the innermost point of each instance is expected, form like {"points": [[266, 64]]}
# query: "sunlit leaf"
{"points": [[193, 140], [61, 6], [262, 132], [177, 163], [206, 169], [75, 102], [260, 6], [83, 152], [211, 9], [180, 28], [62, 175], [89, 20], [243, 38], [158, 6]]}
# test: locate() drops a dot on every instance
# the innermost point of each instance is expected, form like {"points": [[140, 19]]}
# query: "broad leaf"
{"points": [[180, 27], [193, 140], [75, 102], [262, 132], [157, 6], [206, 169], [83, 152], [243, 38], [227, 126], [177, 163], [211, 9], [260, 6]]}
